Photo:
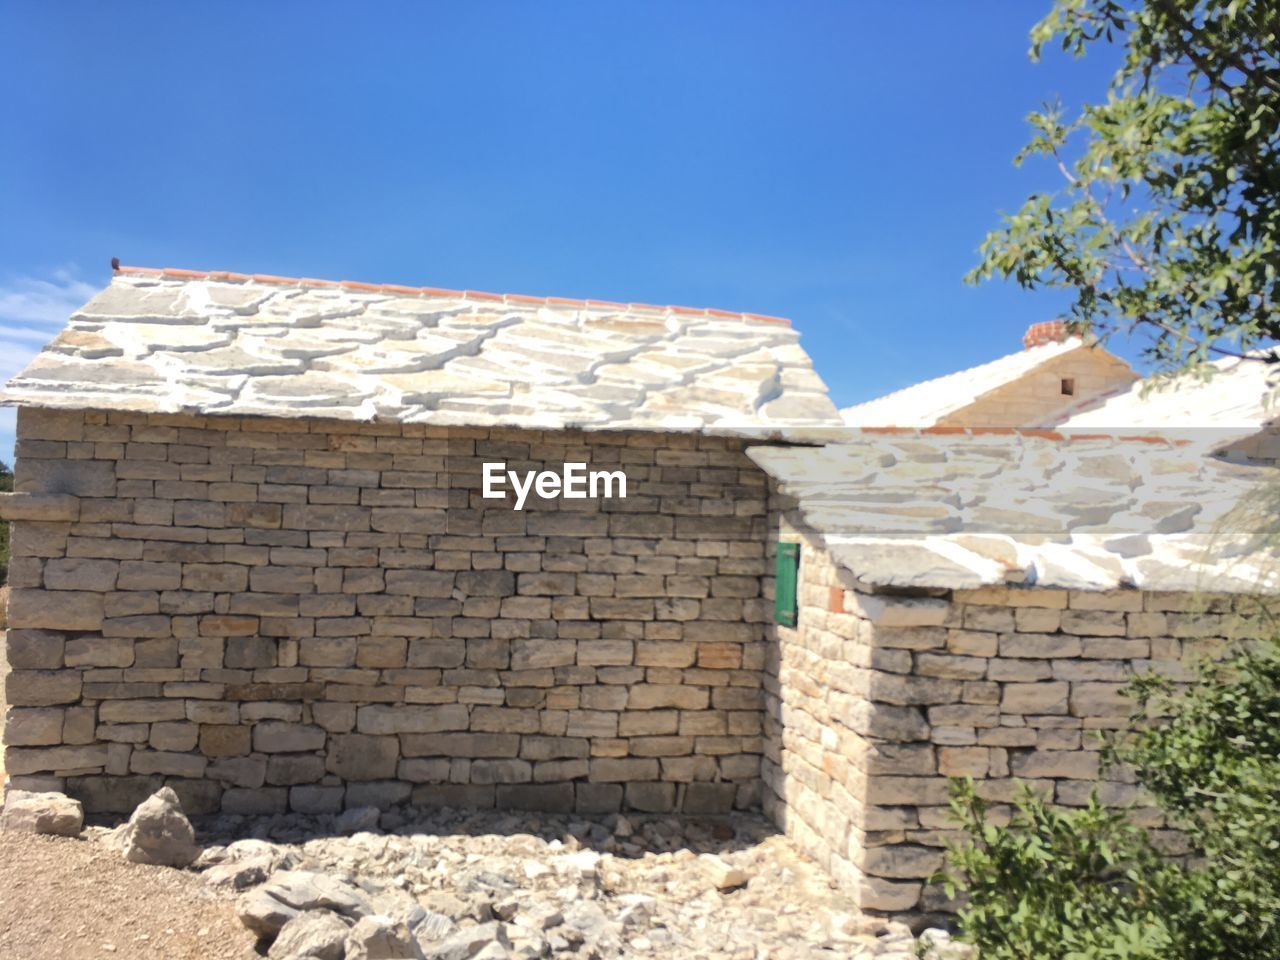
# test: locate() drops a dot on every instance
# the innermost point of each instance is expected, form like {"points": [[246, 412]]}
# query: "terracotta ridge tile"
{"points": [[1062, 436], [179, 273], [1043, 434], [1152, 439]]}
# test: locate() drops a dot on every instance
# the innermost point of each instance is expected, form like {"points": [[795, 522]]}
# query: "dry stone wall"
{"points": [[270, 614], [874, 701], [274, 615], [817, 723]]}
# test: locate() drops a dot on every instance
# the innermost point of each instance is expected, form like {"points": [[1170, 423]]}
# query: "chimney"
{"points": [[1038, 334]]}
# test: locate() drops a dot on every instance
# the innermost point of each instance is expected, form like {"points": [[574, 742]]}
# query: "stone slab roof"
{"points": [[218, 343], [925, 404], [960, 509]]}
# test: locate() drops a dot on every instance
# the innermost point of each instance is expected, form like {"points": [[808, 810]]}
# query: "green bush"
{"points": [[1056, 884], [1211, 759], [1088, 884]]}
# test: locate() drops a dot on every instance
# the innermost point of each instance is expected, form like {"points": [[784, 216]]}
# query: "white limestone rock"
{"points": [[722, 874]]}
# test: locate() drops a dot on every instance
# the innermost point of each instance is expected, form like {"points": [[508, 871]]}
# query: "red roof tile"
{"points": [[400, 289], [1057, 435]]}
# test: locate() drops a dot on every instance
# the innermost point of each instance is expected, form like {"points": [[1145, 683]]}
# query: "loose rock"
{"points": [[243, 864], [52, 813], [539, 916], [240, 874], [289, 893], [588, 919], [936, 944], [381, 938], [158, 832], [315, 935], [724, 876], [502, 885], [471, 941]]}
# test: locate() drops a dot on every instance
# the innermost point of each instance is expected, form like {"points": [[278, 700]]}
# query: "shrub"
{"points": [[1088, 884], [1056, 884], [1210, 757]]}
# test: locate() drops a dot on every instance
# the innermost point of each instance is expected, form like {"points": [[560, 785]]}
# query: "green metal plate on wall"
{"points": [[784, 602]]}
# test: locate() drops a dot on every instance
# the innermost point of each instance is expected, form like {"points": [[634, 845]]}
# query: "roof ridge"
{"points": [[1035, 432], [177, 273], [933, 382]]}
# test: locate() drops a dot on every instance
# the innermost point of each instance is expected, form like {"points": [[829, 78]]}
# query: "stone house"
{"points": [[1062, 382], [1227, 405], [1053, 374], [257, 557], [253, 558], [971, 603]]}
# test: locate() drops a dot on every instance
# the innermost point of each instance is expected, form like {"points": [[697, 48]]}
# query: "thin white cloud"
{"points": [[33, 310], [41, 304], [37, 335]]}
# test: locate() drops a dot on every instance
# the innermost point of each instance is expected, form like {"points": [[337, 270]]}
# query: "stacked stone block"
{"points": [[1036, 397], [275, 614], [874, 701]]}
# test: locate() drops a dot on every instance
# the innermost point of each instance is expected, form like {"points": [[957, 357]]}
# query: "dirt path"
{"points": [[63, 899]]}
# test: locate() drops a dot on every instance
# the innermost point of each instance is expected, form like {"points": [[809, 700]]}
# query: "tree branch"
{"points": [[1214, 77], [1201, 344]]}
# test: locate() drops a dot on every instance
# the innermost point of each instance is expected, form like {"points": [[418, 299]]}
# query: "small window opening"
{"points": [[1068, 386]]}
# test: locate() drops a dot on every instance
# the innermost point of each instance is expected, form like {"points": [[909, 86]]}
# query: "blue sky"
{"points": [[837, 163]]}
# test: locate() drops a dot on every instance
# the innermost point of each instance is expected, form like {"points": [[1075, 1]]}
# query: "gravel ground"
{"points": [[617, 889], [657, 888], [64, 899]]}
